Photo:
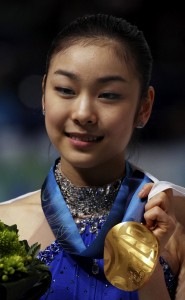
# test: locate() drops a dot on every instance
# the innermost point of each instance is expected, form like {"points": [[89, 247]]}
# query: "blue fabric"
{"points": [[73, 278], [72, 274], [64, 227]]}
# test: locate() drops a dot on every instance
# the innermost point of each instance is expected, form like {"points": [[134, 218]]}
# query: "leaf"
{"points": [[21, 285], [12, 227], [34, 249]]}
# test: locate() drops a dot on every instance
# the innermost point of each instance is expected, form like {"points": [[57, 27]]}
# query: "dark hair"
{"points": [[100, 26]]}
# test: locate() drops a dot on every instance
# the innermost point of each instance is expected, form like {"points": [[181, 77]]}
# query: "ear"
{"points": [[145, 109], [43, 92]]}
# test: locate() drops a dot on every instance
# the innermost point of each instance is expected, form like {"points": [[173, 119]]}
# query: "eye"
{"points": [[110, 96], [65, 91]]}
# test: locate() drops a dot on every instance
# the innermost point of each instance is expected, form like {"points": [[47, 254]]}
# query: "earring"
{"points": [[43, 112], [140, 124]]}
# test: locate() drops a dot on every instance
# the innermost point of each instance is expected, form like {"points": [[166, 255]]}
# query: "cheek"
{"points": [[122, 135], [121, 122], [121, 129], [54, 114], [54, 123]]}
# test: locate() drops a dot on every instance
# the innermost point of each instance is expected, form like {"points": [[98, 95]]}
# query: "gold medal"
{"points": [[130, 255]]}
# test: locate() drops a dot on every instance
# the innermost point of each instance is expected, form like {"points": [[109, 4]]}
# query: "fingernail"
{"points": [[141, 193]]}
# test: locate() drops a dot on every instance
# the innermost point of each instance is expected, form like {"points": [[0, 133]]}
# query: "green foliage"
{"points": [[17, 258]]}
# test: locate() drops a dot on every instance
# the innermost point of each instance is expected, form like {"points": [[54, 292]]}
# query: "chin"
{"points": [[81, 162]]}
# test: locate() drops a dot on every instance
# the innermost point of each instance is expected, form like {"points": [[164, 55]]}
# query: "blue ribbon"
{"points": [[127, 207]]}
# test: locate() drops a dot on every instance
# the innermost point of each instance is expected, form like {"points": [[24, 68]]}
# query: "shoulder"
{"points": [[22, 204], [26, 197], [26, 211], [23, 211]]}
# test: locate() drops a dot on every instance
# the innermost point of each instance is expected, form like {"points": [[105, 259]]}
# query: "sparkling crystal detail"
{"points": [[95, 267], [93, 228], [81, 227], [87, 201]]}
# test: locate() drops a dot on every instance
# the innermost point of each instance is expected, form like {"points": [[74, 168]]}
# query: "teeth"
{"points": [[84, 139]]}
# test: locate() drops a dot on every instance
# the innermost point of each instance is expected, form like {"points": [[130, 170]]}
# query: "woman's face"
{"points": [[90, 100]]}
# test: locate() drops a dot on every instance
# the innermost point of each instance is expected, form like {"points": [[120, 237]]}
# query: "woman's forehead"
{"points": [[94, 55], [92, 65], [102, 54], [114, 47]]}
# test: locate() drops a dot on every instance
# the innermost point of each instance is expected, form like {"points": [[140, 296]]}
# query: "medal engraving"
{"points": [[130, 255]]}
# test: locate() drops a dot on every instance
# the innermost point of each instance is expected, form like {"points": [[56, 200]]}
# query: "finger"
{"points": [[145, 190], [154, 215], [159, 222], [162, 199]]}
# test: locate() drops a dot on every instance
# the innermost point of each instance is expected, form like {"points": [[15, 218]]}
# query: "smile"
{"points": [[84, 137]]}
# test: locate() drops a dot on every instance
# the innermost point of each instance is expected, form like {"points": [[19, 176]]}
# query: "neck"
{"points": [[96, 176]]}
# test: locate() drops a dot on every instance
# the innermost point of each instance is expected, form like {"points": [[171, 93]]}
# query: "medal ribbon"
{"points": [[126, 207]]}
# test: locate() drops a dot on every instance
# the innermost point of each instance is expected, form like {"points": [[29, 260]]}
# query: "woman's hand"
{"points": [[159, 214]]}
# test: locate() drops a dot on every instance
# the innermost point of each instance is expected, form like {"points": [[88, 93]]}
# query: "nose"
{"points": [[84, 111]]}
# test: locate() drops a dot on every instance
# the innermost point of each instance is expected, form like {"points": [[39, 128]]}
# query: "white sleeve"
{"points": [[160, 186]]}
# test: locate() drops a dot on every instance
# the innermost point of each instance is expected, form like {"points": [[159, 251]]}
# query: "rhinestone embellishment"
{"points": [[87, 201]]}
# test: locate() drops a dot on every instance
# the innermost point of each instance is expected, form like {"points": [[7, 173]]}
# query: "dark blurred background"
{"points": [[26, 31]]}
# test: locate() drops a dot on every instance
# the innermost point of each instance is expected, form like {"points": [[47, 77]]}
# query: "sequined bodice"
{"points": [[54, 253]]}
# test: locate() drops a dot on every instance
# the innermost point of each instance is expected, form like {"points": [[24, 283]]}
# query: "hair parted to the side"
{"points": [[102, 26]]}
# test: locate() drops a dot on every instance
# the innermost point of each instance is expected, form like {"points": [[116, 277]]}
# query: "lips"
{"points": [[84, 137]]}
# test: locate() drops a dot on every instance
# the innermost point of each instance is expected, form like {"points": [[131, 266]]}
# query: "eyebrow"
{"points": [[111, 78], [67, 74], [103, 79]]}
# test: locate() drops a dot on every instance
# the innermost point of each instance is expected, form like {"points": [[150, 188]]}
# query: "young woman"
{"points": [[96, 92]]}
